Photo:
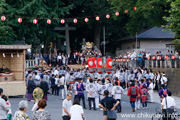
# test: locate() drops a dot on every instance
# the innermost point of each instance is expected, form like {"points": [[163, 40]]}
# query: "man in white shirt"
{"points": [[67, 103], [63, 82], [164, 80], [167, 106], [150, 88], [117, 92]]}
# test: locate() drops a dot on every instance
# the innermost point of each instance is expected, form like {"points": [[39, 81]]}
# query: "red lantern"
{"points": [[124, 60], [107, 16], [120, 60], [173, 57], [75, 20], [35, 21], [99, 54], [99, 65], [19, 20], [77, 53], [114, 60], [159, 57], [94, 63], [152, 6], [80, 54], [127, 60], [97, 18], [48, 21], [148, 58], [135, 8], [3, 18], [62, 21], [126, 11], [86, 20], [90, 65], [153, 57], [109, 65], [166, 57], [179, 57], [49, 65], [117, 13]]}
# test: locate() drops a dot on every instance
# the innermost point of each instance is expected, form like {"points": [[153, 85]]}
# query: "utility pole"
{"points": [[136, 42], [104, 34]]}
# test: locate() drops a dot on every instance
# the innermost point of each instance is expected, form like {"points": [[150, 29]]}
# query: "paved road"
{"points": [[54, 106]]}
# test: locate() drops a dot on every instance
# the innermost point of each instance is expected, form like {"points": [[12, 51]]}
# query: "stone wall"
{"points": [[173, 75]]}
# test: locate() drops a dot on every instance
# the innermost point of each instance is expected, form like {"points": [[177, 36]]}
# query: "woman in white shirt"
{"points": [[76, 111]]}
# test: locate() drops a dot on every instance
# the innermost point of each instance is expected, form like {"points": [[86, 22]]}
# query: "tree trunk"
{"points": [[46, 46], [97, 36]]}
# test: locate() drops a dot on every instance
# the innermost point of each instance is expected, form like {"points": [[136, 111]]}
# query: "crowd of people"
{"points": [[104, 90]]}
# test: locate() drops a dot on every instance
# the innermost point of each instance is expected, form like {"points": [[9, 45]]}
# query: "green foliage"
{"points": [[7, 35], [149, 13], [41, 32], [174, 19]]}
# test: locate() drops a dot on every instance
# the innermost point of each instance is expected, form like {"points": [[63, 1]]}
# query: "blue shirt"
{"points": [[52, 81], [139, 57]]}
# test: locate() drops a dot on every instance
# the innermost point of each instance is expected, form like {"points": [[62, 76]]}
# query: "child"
{"points": [[144, 96], [9, 113]]}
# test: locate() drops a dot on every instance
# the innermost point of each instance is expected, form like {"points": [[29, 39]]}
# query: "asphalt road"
{"points": [[54, 107]]}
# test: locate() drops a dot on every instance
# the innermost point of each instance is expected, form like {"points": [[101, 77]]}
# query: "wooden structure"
{"points": [[13, 58]]}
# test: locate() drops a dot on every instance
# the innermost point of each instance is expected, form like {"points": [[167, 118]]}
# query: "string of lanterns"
{"points": [[75, 20], [12, 55]]}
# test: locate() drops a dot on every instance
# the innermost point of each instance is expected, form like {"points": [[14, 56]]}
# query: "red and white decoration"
{"points": [[126, 11], [35, 21], [86, 20], [75, 20], [48, 21], [62, 21], [19, 20], [3, 18], [107, 16], [135, 8], [117, 13], [97, 18]]}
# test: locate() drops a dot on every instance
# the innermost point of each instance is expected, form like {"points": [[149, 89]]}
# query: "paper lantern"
{"points": [[35, 21], [126, 11], [19, 20], [135, 8], [166, 57], [173, 57], [3, 18], [86, 20], [117, 13], [49, 65], [107, 16], [48, 21], [127, 60], [159, 57], [114, 60], [152, 6], [62, 21], [148, 58], [153, 57], [75, 20], [97, 18], [77, 53]]}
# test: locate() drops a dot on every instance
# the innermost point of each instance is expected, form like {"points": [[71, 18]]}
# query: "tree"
{"points": [[174, 19], [43, 9], [148, 13]]}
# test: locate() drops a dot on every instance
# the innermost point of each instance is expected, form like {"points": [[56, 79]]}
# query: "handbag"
{"points": [[111, 114]]}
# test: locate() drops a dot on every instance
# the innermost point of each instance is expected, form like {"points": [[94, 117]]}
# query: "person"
{"points": [[117, 92], [45, 88], [144, 96], [76, 111], [9, 113], [53, 85], [132, 93], [64, 83], [164, 80], [161, 92], [103, 87], [59, 60], [31, 87], [41, 114], [4, 108], [57, 83], [107, 103], [150, 88], [80, 92], [67, 103], [37, 78], [138, 98], [91, 89], [167, 106], [21, 115]]}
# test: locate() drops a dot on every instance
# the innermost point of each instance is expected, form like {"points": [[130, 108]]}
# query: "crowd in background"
{"points": [[99, 88]]}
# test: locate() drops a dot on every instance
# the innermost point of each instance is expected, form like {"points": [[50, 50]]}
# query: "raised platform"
{"points": [[13, 88], [76, 66]]}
